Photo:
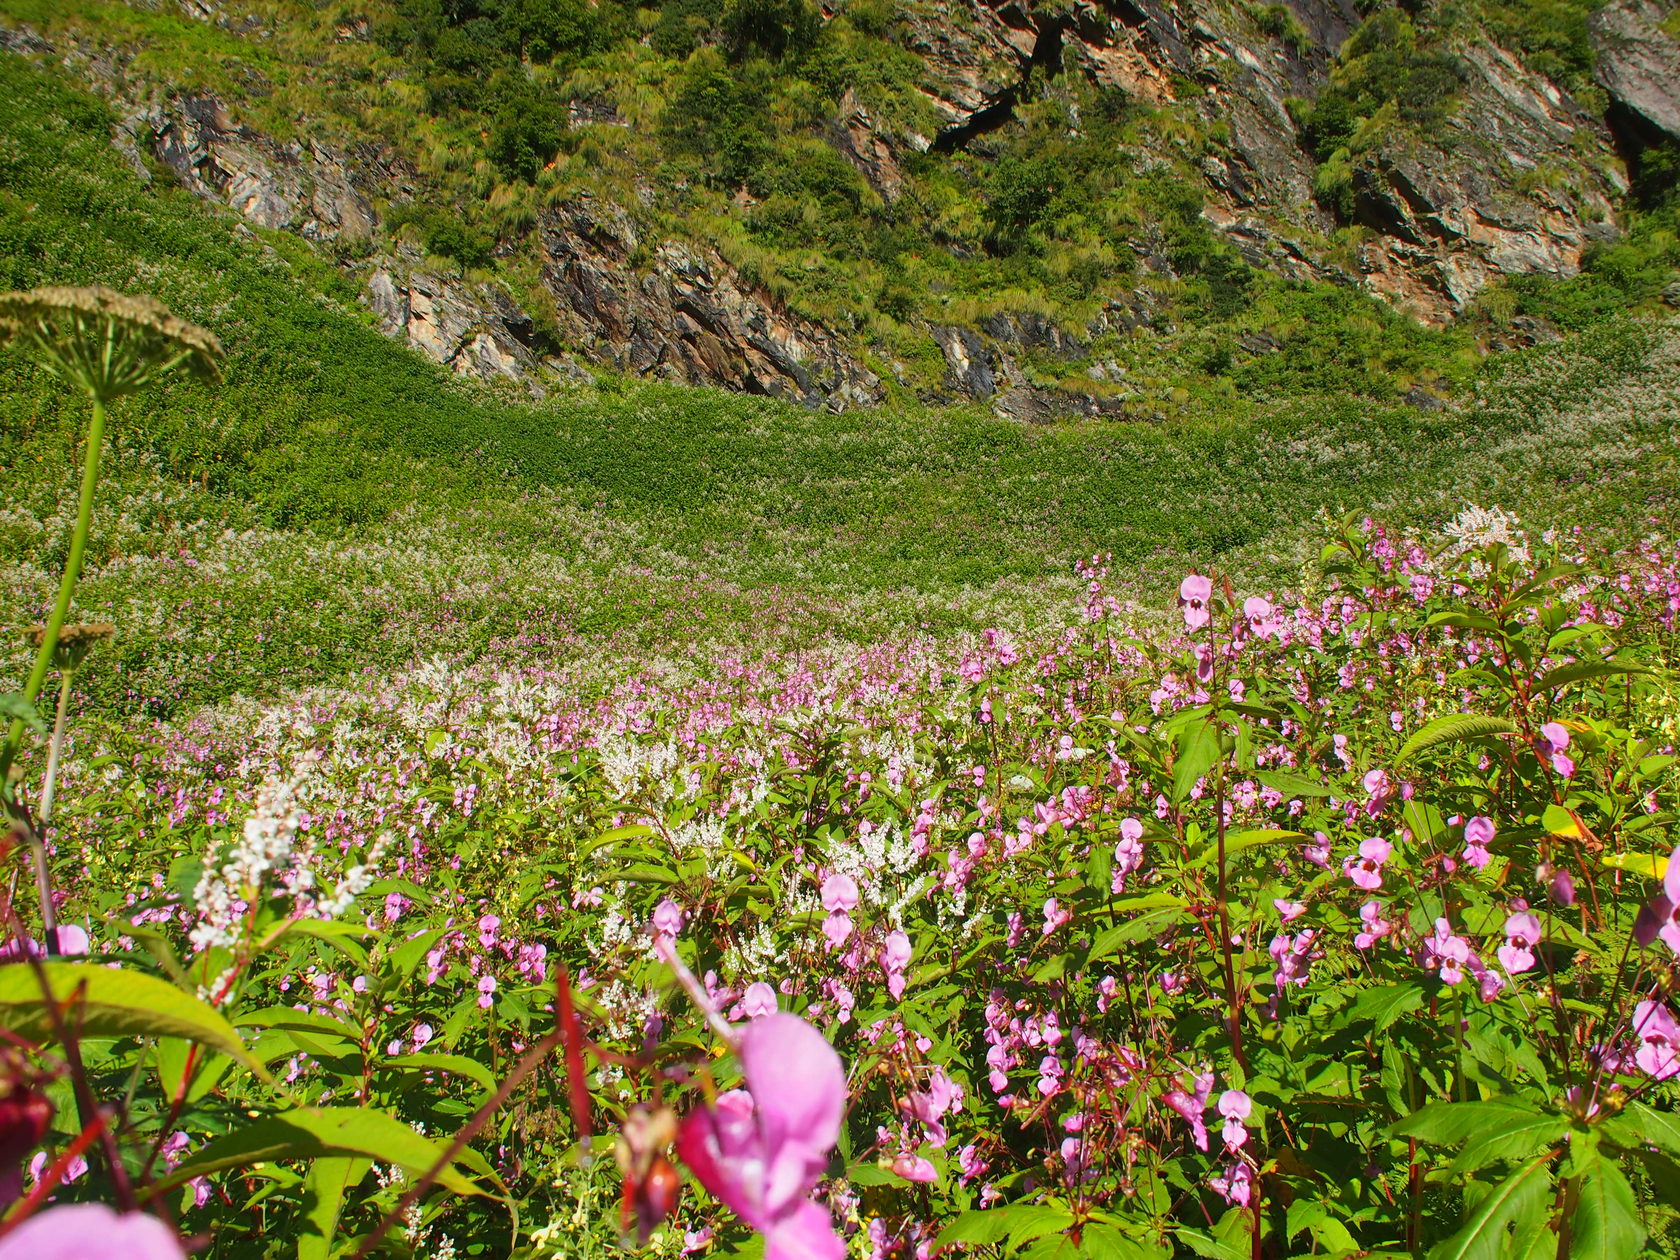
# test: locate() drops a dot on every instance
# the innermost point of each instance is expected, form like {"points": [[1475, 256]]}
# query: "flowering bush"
{"points": [[1329, 924], [1343, 923]]}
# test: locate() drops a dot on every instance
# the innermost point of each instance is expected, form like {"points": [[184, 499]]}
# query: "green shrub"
{"points": [[721, 117]]}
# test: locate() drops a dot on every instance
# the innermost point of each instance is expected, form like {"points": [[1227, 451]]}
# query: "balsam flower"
{"points": [[1658, 1055], [762, 1148], [1522, 931], [1365, 868], [1553, 739], [91, 1231], [1477, 833], [1235, 1106], [1194, 592]]}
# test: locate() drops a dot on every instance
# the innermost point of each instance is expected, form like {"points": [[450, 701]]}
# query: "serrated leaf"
{"points": [[1652, 864], [1517, 1201], [1195, 751], [1453, 1123], [1143, 927], [1451, 727], [312, 1133], [1292, 784], [116, 1002], [1579, 671], [1237, 841], [1660, 1128], [1606, 1222], [324, 1187], [1382, 1006]]}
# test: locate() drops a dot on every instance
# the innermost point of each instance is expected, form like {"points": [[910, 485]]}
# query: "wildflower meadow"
{"points": [[1341, 919]]}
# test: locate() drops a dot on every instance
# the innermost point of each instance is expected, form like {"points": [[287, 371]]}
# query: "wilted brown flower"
{"points": [[74, 641], [107, 342]]}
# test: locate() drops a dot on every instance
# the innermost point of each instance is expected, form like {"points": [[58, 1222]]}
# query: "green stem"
{"points": [[67, 587]]}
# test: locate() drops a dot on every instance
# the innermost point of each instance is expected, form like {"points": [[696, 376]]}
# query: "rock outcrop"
{"points": [[476, 330], [1638, 64], [686, 316]]}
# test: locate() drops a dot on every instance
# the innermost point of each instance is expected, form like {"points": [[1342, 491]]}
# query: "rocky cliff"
{"points": [[1518, 178]]}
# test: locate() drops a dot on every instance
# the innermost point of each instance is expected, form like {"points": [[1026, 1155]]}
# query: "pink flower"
{"points": [[895, 957], [759, 1001], [1376, 927], [1234, 1106], [1191, 1106], [1517, 954], [487, 926], [1287, 910], [1236, 1184], [486, 991], [1055, 916], [913, 1167], [1447, 952], [837, 927], [1318, 852], [839, 892], [1553, 740], [1477, 833], [1381, 789], [667, 918], [91, 1231], [1262, 618], [1193, 595], [762, 1148], [1365, 870], [421, 1037], [1658, 1055], [72, 939]]}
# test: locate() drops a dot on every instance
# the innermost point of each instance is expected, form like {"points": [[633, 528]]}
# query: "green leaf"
{"points": [[14, 707], [456, 1064], [1195, 752], [1660, 1128], [1206, 1245], [1577, 671], [1148, 925], [1019, 1222], [1496, 1124], [116, 1002], [1098, 1241], [1237, 841], [324, 1187], [1291, 784], [311, 1133], [1383, 1005], [1453, 726], [1606, 1223], [1518, 1200]]}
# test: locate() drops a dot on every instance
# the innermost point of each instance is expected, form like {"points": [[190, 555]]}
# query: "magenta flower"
{"points": [[91, 1231], [1660, 917], [1516, 955], [1235, 1184], [1550, 745], [1191, 1106], [486, 991], [1193, 595], [1055, 916], [1375, 926], [487, 926], [839, 892], [759, 1001], [1318, 852], [762, 1148], [1477, 833], [1658, 1055], [667, 919], [1447, 952], [1288, 910], [1235, 1106], [1365, 870], [1381, 790], [421, 1037], [895, 957]]}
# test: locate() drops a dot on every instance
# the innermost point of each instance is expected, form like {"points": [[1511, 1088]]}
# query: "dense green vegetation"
{"points": [[723, 515], [711, 119]]}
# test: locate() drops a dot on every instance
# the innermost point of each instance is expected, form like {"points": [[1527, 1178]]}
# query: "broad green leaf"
{"points": [[1021, 1220], [636, 831], [116, 1002], [1145, 926], [1577, 671], [1517, 1201], [1560, 822], [14, 706], [1383, 1005], [1652, 864], [312, 1133], [1104, 1242], [455, 1064], [1237, 841], [1660, 1128], [1207, 1246], [1197, 749], [1453, 1123], [1292, 784], [324, 1187], [1606, 1223], [1453, 726]]}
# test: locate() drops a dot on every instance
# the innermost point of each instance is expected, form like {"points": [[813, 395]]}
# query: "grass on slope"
{"points": [[711, 507]]}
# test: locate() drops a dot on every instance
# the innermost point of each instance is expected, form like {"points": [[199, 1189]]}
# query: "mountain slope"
{"points": [[1107, 210]]}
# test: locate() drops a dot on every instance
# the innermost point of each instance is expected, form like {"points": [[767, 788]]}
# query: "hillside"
{"points": [[322, 512], [1115, 210]]}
